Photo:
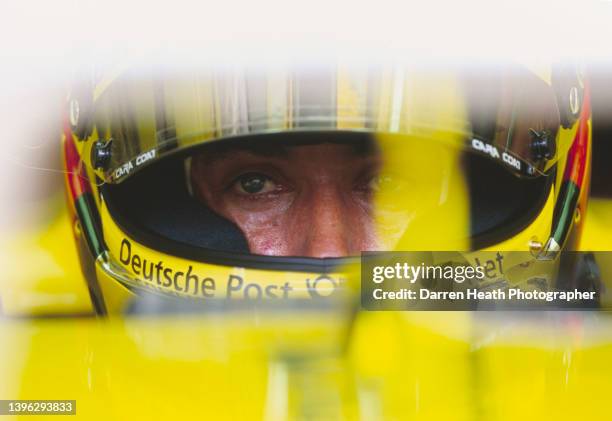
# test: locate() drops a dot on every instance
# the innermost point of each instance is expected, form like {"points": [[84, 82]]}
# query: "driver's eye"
{"points": [[254, 183]]}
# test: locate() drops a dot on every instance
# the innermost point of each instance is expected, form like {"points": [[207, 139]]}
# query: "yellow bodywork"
{"points": [[301, 364]]}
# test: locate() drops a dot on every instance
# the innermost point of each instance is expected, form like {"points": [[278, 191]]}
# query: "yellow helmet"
{"points": [[468, 159]]}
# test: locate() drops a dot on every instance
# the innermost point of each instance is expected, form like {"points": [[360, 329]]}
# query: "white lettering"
{"points": [[426, 294], [416, 272], [123, 170], [147, 156], [512, 161], [485, 147]]}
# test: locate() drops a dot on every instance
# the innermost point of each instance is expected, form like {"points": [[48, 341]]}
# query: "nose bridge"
{"points": [[329, 223]]}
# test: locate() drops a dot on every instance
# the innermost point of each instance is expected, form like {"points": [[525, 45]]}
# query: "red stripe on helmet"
{"points": [[576, 162], [75, 169]]}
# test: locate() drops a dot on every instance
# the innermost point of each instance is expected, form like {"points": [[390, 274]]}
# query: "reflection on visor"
{"points": [[509, 115], [513, 118]]}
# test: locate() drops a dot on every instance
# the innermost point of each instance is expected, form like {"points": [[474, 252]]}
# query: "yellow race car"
{"points": [[175, 303]]}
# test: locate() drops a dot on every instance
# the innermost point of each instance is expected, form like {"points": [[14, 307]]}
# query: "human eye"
{"points": [[254, 184]]}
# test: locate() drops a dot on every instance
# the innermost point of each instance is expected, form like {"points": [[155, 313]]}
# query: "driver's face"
{"points": [[306, 200]]}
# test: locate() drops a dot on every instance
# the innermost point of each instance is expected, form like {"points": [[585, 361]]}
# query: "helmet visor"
{"points": [[509, 115]]}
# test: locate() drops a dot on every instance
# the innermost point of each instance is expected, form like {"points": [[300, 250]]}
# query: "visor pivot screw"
{"points": [[101, 154], [535, 246], [542, 146]]}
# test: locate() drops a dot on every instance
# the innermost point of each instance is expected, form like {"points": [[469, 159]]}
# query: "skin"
{"points": [[306, 200]]}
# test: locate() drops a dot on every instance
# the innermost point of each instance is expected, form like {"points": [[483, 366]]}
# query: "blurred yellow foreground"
{"points": [[394, 366], [318, 364]]}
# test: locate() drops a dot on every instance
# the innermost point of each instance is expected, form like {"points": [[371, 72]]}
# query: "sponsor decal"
{"points": [[186, 282], [147, 156], [512, 161], [141, 159], [493, 152], [487, 148], [124, 170]]}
